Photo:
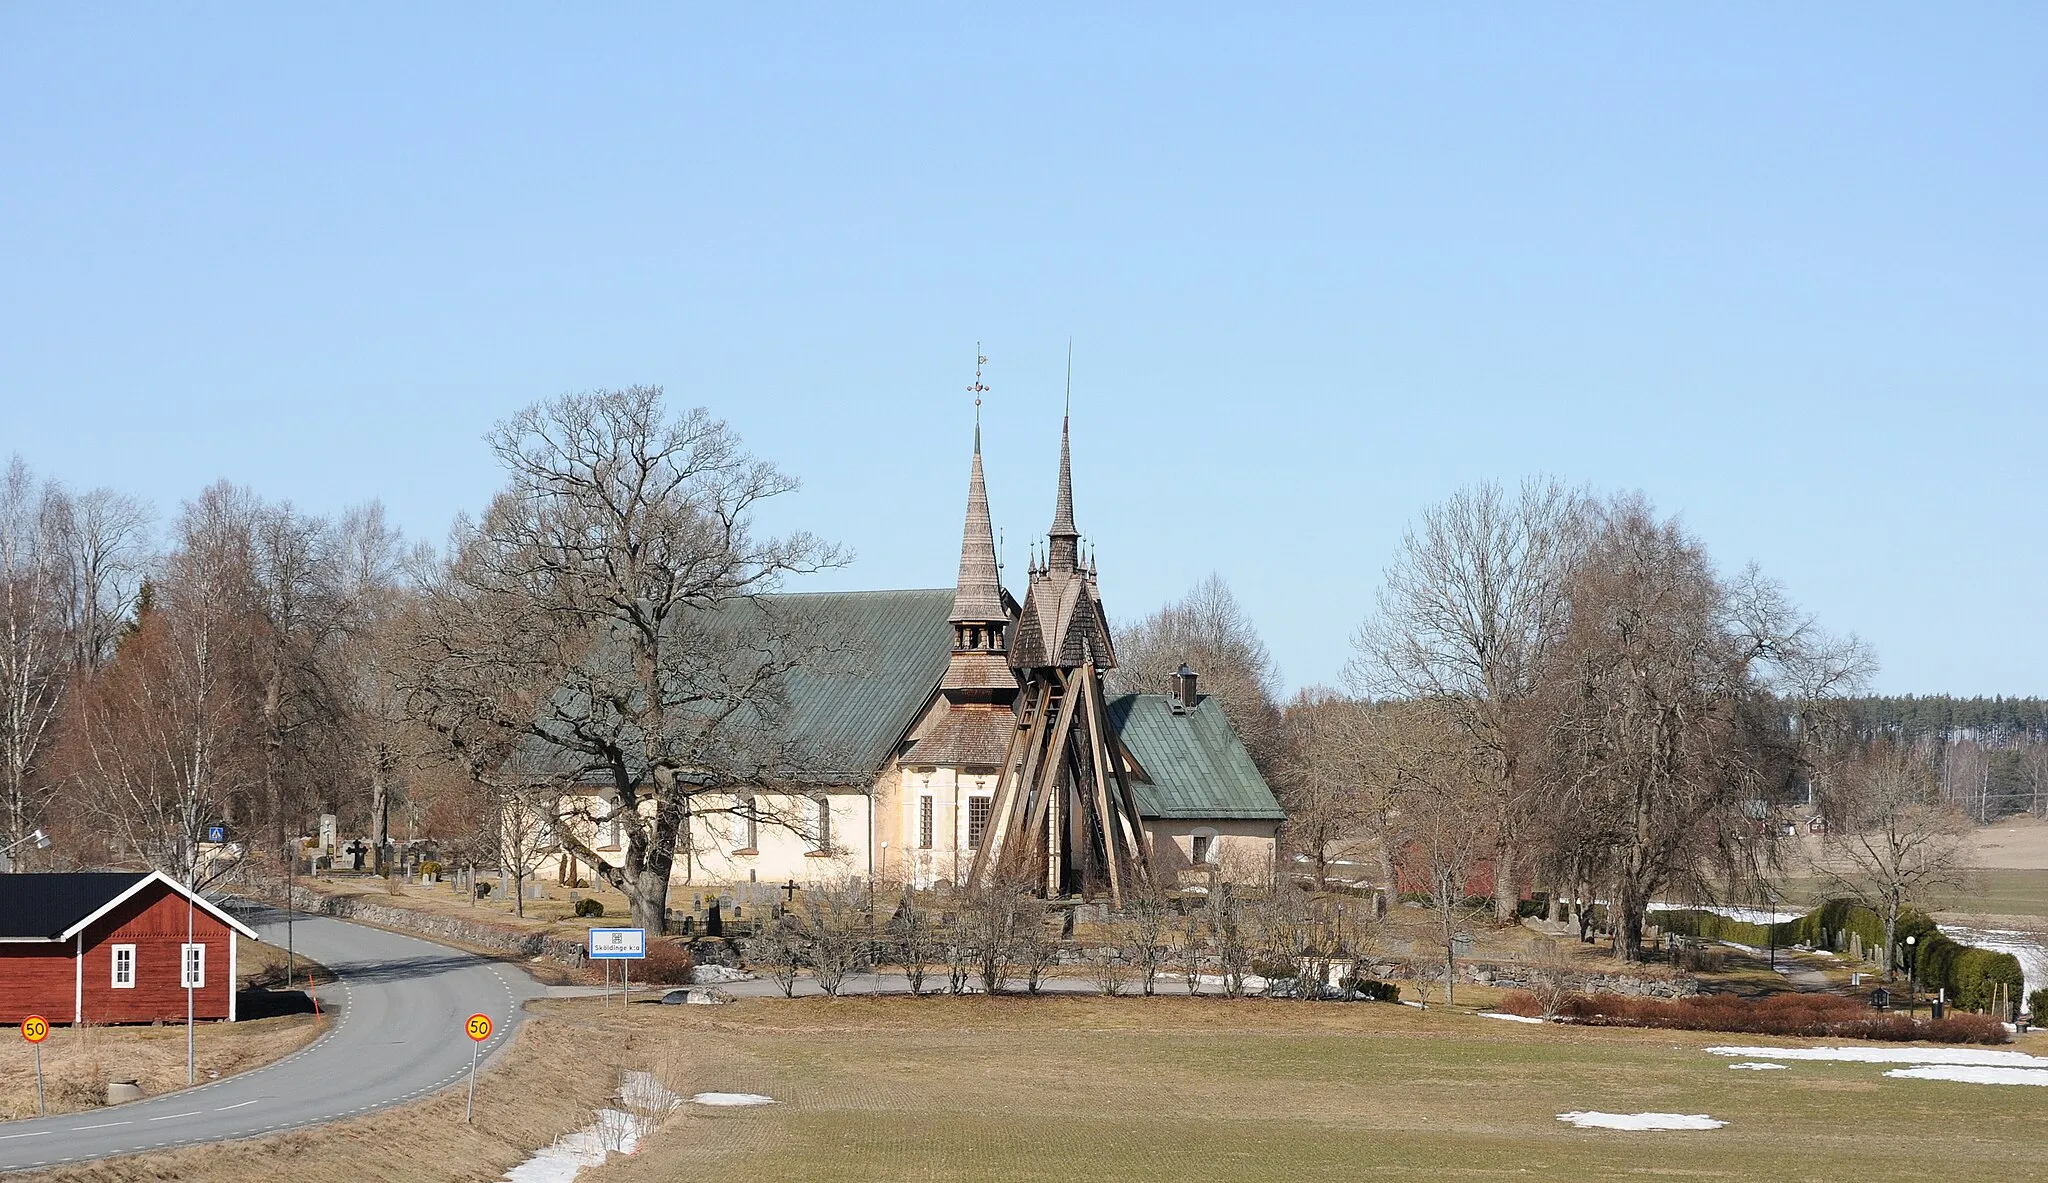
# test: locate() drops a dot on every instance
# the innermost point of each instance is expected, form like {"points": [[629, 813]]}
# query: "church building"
{"points": [[976, 739]]}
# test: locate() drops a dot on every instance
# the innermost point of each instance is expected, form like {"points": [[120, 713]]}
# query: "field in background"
{"points": [[1017, 1089]]}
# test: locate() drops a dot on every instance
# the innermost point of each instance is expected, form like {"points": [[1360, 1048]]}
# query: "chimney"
{"points": [[1183, 695]]}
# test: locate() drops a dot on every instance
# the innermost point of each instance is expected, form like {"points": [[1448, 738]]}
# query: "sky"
{"points": [[1777, 267]]}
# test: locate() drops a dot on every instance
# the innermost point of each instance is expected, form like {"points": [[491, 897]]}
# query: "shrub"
{"points": [[2037, 1005], [1376, 991], [588, 907], [483, 889], [430, 869], [1807, 1015], [668, 963], [1520, 1002]]}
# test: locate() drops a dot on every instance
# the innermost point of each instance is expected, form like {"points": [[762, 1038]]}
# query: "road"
{"points": [[394, 1034]]}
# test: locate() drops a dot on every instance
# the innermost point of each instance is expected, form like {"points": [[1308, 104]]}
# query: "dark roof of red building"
{"points": [[42, 907]]}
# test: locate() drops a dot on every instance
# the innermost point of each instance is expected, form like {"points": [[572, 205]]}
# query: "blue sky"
{"points": [[1780, 267]]}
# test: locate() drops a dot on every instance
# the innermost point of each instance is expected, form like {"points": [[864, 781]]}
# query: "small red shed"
{"points": [[112, 947]]}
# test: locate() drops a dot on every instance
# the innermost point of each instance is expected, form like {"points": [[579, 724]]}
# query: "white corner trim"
{"points": [[78, 982], [234, 979]]}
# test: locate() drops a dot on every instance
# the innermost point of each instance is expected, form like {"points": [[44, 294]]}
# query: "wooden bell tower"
{"points": [[1063, 817]]}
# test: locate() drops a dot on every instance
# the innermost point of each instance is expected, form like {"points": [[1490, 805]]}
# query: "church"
{"points": [[976, 739]]}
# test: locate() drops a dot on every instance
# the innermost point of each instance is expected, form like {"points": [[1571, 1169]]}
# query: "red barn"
{"points": [[111, 947]]}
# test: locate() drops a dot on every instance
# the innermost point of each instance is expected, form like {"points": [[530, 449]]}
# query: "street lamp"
{"points": [[1912, 972], [36, 836]]}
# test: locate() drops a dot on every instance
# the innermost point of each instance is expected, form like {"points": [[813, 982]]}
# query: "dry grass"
{"points": [[557, 1071], [1175, 1089], [78, 1062]]}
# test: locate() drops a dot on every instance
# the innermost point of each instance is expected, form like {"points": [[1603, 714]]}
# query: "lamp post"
{"points": [[1912, 972], [41, 840]]}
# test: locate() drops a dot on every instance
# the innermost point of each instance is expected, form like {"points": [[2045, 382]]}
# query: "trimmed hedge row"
{"points": [[1969, 974], [1814, 1016]]}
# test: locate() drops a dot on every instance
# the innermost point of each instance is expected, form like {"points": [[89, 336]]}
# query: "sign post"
{"points": [[36, 1029], [478, 1028], [625, 945]]}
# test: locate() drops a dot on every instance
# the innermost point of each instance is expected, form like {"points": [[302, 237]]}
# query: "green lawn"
{"points": [[1015, 1089]]}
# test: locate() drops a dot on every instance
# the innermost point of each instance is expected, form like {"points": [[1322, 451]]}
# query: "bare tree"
{"points": [[1669, 739], [1473, 604], [1890, 836], [1210, 632], [158, 743], [33, 648], [917, 935], [834, 926], [604, 623], [1327, 782]]}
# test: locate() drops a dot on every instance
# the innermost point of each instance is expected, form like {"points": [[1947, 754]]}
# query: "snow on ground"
{"points": [[1641, 1121], [1754, 1066], [1969, 1074], [1494, 1014], [616, 1131], [1979, 1057], [1252, 982], [1745, 915], [732, 1099], [717, 975], [2029, 947]]}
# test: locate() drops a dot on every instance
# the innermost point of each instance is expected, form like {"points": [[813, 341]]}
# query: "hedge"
{"points": [[1969, 974], [2037, 1005]]}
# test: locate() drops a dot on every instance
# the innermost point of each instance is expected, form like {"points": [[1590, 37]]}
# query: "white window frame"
{"points": [[927, 820], [116, 968], [188, 963]]}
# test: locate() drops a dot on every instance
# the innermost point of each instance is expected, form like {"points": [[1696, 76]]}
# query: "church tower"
{"points": [[979, 670], [1064, 815]]}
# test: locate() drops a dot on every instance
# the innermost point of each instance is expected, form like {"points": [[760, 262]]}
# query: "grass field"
{"points": [[1186, 1089]]}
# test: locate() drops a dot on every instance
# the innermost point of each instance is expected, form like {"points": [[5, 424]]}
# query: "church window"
{"points": [[824, 823], [1202, 847], [924, 822], [977, 820], [750, 822]]}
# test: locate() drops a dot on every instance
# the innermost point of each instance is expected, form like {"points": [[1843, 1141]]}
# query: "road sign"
{"points": [[216, 833], [479, 1027], [36, 1029], [616, 943]]}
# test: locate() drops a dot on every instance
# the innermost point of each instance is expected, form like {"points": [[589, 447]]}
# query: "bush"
{"points": [[589, 907], [2037, 1005], [1377, 991], [668, 963], [483, 889], [1807, 1015], [430, 869]]}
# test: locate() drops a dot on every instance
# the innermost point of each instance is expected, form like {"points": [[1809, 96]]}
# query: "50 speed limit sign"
{"points": [[35, 1028], [479, 1027]]}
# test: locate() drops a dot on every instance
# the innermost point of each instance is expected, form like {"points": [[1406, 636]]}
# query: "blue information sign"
{"points": [[216, 833]]}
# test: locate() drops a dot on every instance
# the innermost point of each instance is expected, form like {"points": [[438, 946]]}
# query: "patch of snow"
{"points": [[1413, 1003], [1968, 1074], [1641, 1121], [1978, 1057], [1745, 915], [2030, 947], [732, 1099], [1251, 981], [1494, 1014], [717, 975], [1752, 1064], [616, 1131]]}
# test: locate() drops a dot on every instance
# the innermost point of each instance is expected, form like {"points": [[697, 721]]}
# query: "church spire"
{"points": [[978, 597], [1065, 539]]}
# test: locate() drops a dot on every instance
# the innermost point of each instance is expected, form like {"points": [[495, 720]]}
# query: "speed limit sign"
{"points": [[36, 1029], [478, 1028]]}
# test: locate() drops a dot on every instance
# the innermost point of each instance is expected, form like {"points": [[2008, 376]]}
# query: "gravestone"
{"points": [[327, 833]]}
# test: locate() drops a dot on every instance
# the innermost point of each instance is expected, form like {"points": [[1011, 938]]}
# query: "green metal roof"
{"points": [[1194, 762], [850, 719]]}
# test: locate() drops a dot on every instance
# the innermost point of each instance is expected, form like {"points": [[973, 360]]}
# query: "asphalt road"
{"points": [[394, 1033]]}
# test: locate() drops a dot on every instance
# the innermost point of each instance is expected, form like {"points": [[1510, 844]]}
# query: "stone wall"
{"points": [[478, 932]]}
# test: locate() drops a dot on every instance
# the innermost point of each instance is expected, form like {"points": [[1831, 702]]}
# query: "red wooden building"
{"points": [[111, 947]]}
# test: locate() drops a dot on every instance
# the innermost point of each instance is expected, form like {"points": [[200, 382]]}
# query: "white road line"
{"points": [[170, 1116], [30, 1134], [103, 1125], [237, 1105]]}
